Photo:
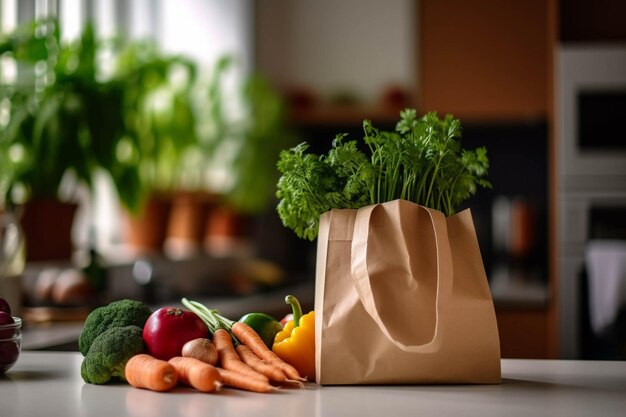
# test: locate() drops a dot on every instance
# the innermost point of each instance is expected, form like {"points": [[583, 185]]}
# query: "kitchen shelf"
{"points": [[340, 115]]}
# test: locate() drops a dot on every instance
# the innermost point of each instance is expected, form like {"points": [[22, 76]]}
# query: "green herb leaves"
{"points": [[421, 161], [311, 185]]}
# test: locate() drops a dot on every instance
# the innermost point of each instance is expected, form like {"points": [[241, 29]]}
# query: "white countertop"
{"points": [[49, 384]]}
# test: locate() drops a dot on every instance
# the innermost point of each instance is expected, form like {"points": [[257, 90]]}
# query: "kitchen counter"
{"points": [[64, 335], [49, 384]]}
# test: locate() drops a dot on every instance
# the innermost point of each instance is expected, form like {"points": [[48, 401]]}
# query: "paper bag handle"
{"points": [[361, 277]]}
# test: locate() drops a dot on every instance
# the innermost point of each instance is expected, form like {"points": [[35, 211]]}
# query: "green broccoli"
{"points": [[109, 353], [117, 314]]}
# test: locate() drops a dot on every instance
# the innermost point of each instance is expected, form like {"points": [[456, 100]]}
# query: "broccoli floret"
{"points": [[117, 314], [109, 353]]}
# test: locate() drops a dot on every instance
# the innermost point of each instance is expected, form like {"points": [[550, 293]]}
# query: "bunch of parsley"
{"points": [[420, 161]]}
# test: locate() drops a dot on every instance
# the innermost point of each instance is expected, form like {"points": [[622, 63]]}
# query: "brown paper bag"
{"points": [[401, 297]]}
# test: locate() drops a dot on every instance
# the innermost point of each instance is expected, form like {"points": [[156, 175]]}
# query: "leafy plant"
{"points": [[147, 120], [62, 117], [243, 147], [259, 137], [159, 116], [68, 114], [420, 161]]}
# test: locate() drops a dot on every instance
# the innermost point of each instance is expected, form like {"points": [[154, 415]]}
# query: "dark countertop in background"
{"points": [[64, 335]]}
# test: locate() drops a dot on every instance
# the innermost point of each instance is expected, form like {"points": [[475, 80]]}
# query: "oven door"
{"points": [[591, 164], [592, 91]]}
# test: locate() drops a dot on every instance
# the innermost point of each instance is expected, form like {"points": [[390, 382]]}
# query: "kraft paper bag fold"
{"points": [[401, 297]]}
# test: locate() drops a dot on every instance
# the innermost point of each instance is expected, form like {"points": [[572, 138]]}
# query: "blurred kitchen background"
{"points": [[139, 140]]}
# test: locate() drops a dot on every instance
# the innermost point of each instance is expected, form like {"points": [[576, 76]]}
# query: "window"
{"points": [[203, 30]]}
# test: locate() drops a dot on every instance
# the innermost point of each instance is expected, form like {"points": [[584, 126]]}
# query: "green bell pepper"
{"points": [[265, 325]]}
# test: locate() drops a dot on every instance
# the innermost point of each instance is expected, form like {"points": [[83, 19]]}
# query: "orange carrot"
{"points": [[248, 357], [229, 359], [145, 371], [197, 374], [250, 338], [237, 380]]}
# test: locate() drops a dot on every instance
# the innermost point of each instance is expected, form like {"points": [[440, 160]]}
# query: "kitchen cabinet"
{"points": [[603, 21], [490, 62], [523, 332], [484, 59]]}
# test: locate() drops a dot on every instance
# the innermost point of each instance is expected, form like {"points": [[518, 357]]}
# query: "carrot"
{"points": [[197, 374], [250, 338], [237, 380], [229, 359], [272, 372], [145, 371]]}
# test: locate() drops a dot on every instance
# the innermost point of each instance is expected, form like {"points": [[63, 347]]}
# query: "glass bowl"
{"points": [[10, 344]]}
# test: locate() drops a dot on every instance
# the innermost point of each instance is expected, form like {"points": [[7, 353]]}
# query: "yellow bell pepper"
{"points": [[295, 344]]}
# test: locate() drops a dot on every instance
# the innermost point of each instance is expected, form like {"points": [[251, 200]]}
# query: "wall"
{"points": [[204, 30], [359, 46]]}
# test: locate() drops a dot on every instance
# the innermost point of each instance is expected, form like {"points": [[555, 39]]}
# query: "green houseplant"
{"points": [[159, 113], [71, 118], [59, 128], [147, 121], [63, 117], [252, 142], [161, 122], [259, 138]]}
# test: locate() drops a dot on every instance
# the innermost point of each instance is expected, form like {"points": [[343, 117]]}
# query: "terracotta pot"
{"points": [[226, 230], [226, 222], [147, 230], [187, 222], [47, 225]]}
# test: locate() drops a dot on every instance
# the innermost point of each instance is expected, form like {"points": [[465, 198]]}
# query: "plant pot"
{"points": [[187, 222], [227, 231], [47, 226], [147, 230]]}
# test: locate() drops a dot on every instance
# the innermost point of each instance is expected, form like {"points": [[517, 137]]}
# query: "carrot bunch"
{"points": [[241, 349], [244, 361]]}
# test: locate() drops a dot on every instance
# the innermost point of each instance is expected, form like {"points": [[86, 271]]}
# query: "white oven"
{"points": [[591, 165]]}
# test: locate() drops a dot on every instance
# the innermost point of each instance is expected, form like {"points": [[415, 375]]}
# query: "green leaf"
{"points": [[421, 161]]}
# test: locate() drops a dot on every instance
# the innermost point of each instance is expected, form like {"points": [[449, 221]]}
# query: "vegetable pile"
{"points": [[241, 349], [421, 161], [197, 347]]}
